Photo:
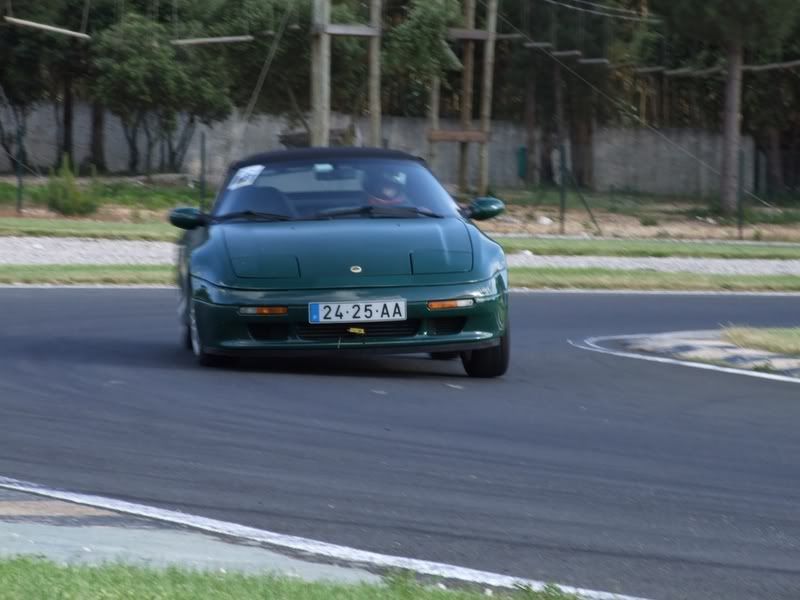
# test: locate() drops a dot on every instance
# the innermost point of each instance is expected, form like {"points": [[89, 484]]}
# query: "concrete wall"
{"points": [[663, 162], [407, 134], [636, 160]]}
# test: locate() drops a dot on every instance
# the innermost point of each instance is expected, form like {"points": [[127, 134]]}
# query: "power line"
{"points": [[239, 128], [624, 107], [640, 18], [606, 7], [268, 62]]}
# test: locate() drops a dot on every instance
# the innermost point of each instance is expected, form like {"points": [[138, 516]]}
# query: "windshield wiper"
{"points": [[377, 211], [252, 216]]}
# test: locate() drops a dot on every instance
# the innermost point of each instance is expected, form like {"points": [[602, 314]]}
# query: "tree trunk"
{"points": [[131, 132], [148, 148], [98, 141], [775, 153], [67, 147], [732, 133], [532, 168]]}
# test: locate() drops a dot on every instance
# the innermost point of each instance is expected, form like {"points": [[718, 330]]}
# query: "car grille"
{"points": [[335, 331], [447, 326], [269, 332]]}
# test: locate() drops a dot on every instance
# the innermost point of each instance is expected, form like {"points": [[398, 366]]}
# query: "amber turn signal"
{"points": [[264, 311], [450, 304]]}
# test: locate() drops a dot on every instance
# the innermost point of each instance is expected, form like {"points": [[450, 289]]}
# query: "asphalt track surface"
{"points": [[585, 469]]}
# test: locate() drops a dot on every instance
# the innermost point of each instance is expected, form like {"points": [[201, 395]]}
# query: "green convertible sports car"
{"points": [[342, 250]]}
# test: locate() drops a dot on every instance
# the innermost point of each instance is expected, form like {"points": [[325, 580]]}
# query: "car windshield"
{"points": [[334, 189]]}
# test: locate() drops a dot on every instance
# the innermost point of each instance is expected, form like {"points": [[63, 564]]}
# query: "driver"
{"points": [[383, 189]]}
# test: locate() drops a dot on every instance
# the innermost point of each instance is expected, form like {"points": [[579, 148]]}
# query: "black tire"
{"points": [[488, 363], [444, 355], [202, 357]]}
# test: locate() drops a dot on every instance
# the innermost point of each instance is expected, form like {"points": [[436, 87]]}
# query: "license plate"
{"points": [[357, 312]]}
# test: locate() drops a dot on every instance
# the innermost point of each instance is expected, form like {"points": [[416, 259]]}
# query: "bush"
{"points": [[63, 195], [648, 221]]}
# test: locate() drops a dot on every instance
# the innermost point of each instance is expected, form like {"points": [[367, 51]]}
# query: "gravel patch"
{"points": [[715, 266], [74, 251]]}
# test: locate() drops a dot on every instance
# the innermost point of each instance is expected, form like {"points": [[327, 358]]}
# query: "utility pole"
{"points": [[322, 30], [467, 87], [321, 74], [487, 95], [433, 115], [467, 135], [376, 135]]}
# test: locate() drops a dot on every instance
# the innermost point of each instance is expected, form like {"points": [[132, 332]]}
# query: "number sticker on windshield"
{"points": [[245, 176]]}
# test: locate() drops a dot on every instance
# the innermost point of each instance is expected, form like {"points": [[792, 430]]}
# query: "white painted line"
{"points": [[312, 547], [594, 345], [83, 286], [577, 292]]}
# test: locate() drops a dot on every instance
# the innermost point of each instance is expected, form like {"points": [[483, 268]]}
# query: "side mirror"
{"points": [[483, 209], [187, 218]]}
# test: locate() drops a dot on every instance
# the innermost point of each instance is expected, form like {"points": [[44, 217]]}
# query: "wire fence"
{"points": [[619, 181]]}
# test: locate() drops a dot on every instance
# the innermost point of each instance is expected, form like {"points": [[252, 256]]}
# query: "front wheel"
{"points": [[195, 340], [491, 362]]}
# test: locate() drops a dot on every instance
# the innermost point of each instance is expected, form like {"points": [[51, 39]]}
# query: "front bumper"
{"points": [[225, 331]]}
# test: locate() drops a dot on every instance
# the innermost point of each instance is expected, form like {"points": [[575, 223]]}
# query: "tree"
{"points": [[734, 26], [138, 78], [203, 96], [287, 91], [23, 80]]}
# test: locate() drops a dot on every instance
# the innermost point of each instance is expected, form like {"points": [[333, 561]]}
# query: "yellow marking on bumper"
{"points": [[357, 331]]}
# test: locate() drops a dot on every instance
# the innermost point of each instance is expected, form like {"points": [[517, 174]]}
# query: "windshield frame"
{"points": [[445, 201]]}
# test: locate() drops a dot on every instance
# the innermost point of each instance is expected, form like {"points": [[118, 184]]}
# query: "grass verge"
{"points": [[607, 279], [595, 279], [37, 579], [122, 192], [88, 274], [649, 248], [153, 231], [781, 341]]}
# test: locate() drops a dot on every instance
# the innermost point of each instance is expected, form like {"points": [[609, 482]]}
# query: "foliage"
{"points": [[63, 195], [416, 47], [756, 22]]}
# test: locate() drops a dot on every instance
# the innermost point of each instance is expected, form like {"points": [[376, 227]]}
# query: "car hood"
{"points": [[348, 253]]}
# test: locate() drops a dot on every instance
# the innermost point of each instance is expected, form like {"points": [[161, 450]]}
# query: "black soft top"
{"points": [[321, 154]]}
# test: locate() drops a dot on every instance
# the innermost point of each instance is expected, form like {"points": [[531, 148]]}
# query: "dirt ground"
{"points": [[544, 221], [524, 220]]}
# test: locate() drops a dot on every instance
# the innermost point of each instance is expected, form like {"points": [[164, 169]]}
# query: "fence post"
{"points": [[740, 202], [563, 187], [19, 169], [202, 170]]}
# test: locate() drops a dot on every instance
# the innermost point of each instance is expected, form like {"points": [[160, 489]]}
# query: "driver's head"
{"points": [[383, 187]]}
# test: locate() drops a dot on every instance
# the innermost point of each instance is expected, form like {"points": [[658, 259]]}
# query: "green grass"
{"points": [[157, 230], [606, 279], [648, 248], [32, 579], [782, 341], [121, 193], [599, 279], [161, 230], [145, 196], [88, 274]]}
